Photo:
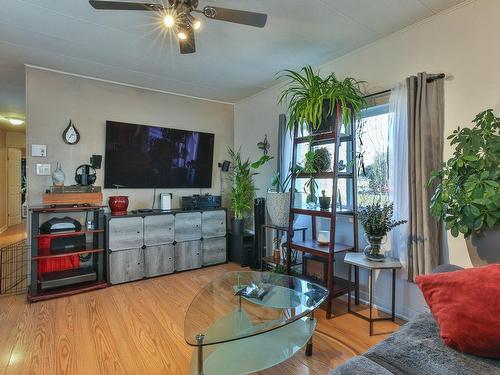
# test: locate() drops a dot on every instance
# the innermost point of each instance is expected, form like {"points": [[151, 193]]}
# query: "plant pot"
{"points": [[325, 202], [277, 256], [372, 251], [483, 246], [118, 205], [326, 119], [278, 208]]}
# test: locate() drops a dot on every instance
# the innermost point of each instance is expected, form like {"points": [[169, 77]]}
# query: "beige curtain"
{"points": [[425, 154]]}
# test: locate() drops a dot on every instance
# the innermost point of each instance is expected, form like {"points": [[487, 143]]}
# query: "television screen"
{"points": [[139, 156]]}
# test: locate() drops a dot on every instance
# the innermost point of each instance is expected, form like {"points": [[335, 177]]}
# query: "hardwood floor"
{"points": [[137, 328]]}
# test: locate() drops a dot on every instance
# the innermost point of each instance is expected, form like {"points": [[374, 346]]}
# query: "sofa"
{"points": [[417, 349]]}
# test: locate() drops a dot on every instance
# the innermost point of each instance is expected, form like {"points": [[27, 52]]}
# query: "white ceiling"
{"points": [[232, 61]]}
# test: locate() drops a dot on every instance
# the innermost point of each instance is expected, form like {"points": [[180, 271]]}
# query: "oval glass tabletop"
{"points": [[244, 304]]}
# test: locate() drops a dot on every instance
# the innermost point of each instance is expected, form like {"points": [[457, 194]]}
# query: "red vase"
{"points": [[118, 205]]}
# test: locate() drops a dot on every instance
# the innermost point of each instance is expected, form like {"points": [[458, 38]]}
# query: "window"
{"points": [[373, 146]]}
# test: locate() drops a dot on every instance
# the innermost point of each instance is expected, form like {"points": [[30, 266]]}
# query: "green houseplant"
{"points": [[243, 188], [467, 195], [377, 221], [310, 99]]}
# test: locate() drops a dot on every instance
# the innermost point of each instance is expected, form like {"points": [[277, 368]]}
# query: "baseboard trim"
{"points": [[404, 312]]}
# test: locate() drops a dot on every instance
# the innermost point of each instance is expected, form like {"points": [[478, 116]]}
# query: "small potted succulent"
{"points": [[377, 221]]}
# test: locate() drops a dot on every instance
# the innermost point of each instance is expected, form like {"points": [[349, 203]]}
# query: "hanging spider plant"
{"points": [[309, 98]]}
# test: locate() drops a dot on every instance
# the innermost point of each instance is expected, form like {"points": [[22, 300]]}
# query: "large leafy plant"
{"points": [[467, 196], [243, 187], [376, 219], [306, 92]]}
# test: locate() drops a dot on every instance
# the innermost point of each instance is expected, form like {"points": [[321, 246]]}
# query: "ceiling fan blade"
{"points": [[237, 16], [124, 5], [188, 46]]}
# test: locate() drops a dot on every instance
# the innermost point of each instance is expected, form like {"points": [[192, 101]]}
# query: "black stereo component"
{"points": [[60, 224], [198, 202], [61, 245], [59, 279]]}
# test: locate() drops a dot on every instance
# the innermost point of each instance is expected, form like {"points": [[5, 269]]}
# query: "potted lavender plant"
{"points": [[377, 221]]}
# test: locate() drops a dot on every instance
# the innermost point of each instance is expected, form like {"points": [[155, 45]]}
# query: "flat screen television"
{"points": [[139, 156]]}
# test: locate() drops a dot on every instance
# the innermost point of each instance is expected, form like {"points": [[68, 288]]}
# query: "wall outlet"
{"points": [[39, 151], [43, 169]]}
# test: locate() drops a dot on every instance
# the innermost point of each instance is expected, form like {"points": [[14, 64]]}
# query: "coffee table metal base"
{"points": [[254, 353]]}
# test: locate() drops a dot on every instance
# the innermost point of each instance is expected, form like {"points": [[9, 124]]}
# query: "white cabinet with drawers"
{"points": [[148, 245]]}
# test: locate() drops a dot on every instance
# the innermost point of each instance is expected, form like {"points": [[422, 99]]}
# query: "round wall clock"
{"points": [[70, 134]]}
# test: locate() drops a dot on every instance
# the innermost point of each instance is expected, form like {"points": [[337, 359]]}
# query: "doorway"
{"points": [[14, 187]]}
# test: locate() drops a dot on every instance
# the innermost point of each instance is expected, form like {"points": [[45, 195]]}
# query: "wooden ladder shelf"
{"points": [[336, 285]]}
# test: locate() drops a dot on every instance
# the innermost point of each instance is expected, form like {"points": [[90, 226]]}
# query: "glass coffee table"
{"points": [[236, 333]]}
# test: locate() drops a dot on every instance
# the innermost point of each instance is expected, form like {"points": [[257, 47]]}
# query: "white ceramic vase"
{"points": [[58, 176], [278, 208]]}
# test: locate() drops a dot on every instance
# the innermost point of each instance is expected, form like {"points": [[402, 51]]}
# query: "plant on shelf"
{"points": [[377, 221], [243, 187], [467, 194], [310, 99], [322, 159]]}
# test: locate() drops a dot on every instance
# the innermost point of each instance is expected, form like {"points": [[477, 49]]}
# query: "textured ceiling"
{"points": [[232, 61]]}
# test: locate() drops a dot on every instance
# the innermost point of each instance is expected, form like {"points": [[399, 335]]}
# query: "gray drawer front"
{"points": [[125, 233], [187, 255], [214, 251], [158, 260], [126, 265], [213, 224], [187, 226], [158, 230]]}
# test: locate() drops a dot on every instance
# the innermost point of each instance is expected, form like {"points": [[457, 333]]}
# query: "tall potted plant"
{"points": [[311, 100], [243, 188], [467, 195]]}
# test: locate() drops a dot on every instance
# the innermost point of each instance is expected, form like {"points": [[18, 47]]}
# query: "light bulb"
{"points": [[169, 20], [196, 24], [182, 35]]}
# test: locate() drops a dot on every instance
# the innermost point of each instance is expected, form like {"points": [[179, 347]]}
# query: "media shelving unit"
{"points": [[92, 272], [310, 247]]}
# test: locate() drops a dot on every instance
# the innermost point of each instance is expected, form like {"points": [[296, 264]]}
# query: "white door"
{"points": [[14, 185]]}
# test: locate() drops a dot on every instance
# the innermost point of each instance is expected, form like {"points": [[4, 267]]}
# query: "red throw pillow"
{"points": [[466, 305]]}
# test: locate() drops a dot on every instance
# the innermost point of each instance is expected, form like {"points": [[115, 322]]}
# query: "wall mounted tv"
{"points": [[139, 156]]}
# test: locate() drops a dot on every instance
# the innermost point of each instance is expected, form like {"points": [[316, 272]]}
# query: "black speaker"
{"points": [[95, 161], [259, 210], [224, 166]]}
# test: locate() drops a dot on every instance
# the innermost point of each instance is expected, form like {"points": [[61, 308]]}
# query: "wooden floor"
{"points": [[137, 328], [13, 234]]}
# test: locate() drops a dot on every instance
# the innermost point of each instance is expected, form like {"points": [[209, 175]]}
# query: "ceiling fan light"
{"points": [[169, 21], [182, 35], [15, 121], [196, 24]]}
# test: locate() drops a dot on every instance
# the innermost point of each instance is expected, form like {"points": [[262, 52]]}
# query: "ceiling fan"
{"points": [[178, 14]]}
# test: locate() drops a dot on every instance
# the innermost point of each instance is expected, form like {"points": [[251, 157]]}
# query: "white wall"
{"points": [[461, 42], [53, 99], [3, 182]]}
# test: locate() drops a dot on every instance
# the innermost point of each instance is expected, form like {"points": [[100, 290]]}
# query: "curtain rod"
{"points": [[430, 78]]}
